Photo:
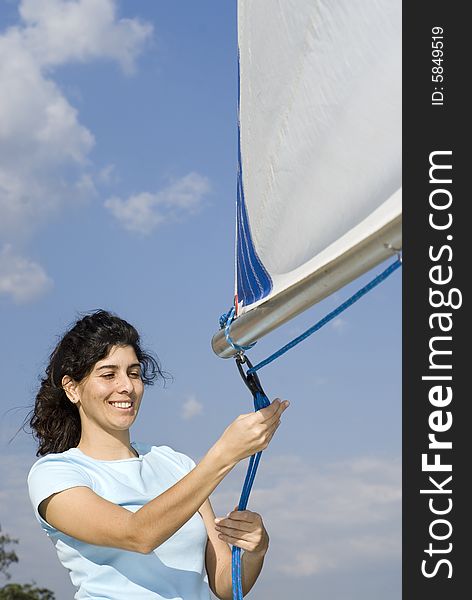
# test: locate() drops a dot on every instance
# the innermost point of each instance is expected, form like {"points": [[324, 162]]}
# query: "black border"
{"points": [[428, 128]]}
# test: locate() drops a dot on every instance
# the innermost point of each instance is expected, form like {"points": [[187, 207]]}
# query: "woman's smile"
{"points": [[122, 405]]}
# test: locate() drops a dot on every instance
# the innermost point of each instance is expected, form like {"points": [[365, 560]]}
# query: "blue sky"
{"points": [[118, 153]]}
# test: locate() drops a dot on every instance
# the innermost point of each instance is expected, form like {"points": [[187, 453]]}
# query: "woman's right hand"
{"points": [[252, 432]]}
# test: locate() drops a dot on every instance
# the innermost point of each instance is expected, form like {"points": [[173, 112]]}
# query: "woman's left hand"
{"points": [[245, 529]]}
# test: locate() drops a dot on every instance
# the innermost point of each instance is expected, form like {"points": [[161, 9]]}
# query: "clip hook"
{"points": [[250, 379]]}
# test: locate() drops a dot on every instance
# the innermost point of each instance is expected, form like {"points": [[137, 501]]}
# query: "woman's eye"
{"points": [[131, 374]]}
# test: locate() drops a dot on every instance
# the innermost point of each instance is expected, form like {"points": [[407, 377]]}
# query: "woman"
{"points": [[129, 520]]}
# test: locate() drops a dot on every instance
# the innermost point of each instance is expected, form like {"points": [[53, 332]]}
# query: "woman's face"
{"points": [[110, 395]]}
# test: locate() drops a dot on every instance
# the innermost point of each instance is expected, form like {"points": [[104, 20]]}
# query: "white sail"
{"points": [[319, 198]]}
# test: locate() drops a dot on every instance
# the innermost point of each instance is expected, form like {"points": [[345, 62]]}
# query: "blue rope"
{"points": [[354, 298], [224, 318], [225, 321], [261, 400]]}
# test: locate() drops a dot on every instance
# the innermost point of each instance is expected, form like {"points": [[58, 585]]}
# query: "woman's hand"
{"points": [[251, 433], [245, 529]]}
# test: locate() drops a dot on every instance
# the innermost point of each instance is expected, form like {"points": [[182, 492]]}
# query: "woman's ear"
{"points": [[70, 388]]}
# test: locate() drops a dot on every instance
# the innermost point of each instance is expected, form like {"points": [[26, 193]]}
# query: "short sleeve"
{"points": [[183, 462], [51, 475], [186, 461]]}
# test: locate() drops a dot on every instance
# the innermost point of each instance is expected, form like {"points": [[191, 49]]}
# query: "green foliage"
{"points": [[17, 591], [6, 558]]}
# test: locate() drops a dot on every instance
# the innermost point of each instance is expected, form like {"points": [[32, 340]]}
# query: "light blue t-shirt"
{"points": [[174, 570]]}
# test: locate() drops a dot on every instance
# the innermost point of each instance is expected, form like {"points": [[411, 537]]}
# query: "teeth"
{"points": [[121, 404]]}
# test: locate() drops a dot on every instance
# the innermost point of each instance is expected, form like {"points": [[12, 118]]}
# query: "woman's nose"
{"points": [[124, 383]]}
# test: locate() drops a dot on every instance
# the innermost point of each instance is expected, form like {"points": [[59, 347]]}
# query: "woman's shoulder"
{"points": [[55, 457], [55, 461]]}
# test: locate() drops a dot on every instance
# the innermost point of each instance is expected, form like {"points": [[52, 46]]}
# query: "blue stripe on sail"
{"points": [[253, 280]]}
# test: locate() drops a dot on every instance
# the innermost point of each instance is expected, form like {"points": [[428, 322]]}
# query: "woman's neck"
{"points": [[107, 446]]}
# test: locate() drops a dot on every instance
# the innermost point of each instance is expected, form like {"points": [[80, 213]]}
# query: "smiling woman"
{"points": [[128, 519]]}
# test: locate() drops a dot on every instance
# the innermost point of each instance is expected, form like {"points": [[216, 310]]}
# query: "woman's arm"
{"points": [[241, 528], [84, 515]]}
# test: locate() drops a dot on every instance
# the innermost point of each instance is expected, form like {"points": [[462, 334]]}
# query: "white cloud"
{"points": [[142, 213], [339, 324], [82, 30], [44, 149], [41, 138], [20, 278], [137, 213], [108, 175], [325, 517], [191, 408]]}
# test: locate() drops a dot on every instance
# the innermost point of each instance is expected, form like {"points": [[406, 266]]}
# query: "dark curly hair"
{"points": [[55, 421]]}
